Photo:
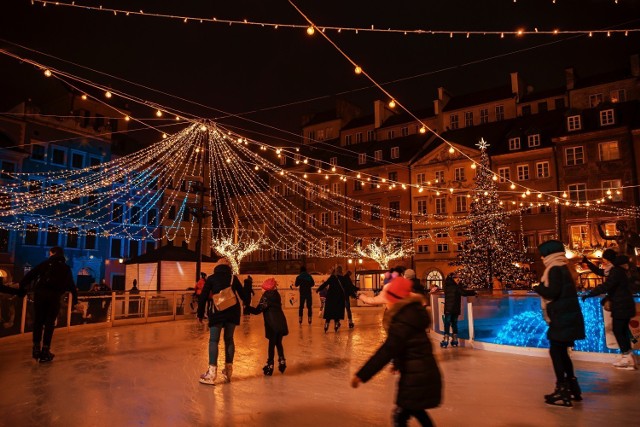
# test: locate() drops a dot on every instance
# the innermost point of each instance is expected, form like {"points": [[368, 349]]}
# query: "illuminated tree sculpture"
{"points": [[383, 252], [490, 250], [235, 252]]}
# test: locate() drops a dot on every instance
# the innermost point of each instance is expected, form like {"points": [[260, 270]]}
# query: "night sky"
{"points": [[242, 68]]}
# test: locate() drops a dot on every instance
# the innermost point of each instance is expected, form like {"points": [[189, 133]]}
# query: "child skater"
{"points": [[408, 347], [275, 324]]}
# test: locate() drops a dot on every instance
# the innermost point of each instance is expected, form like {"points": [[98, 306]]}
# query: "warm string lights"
{"points": [[311, 30], [383, 252], [235, 252]]}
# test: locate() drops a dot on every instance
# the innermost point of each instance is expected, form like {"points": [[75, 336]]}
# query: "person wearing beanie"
{"points": [[621, 306], [453, 293], [275, 324], [408, 347], [417, 288], [608, 256], [564, 316]]}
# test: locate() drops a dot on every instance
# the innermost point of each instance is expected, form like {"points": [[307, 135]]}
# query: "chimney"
{"points": [[635, 65], [441, 102], [516, 86], [570, 77], [380, 113]]}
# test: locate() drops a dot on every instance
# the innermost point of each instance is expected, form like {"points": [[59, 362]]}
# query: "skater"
{"points": [[566, 323], [453, 294], [336, 295], [408, 347], [275, 324], [226, 320], [50, 280], [197, 291], [304, 282], [608, 256], [623, 307], [350, 292], [416, 286], [248, 293]]}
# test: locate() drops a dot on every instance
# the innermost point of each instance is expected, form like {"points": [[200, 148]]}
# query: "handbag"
{"points": [[226, 298]]}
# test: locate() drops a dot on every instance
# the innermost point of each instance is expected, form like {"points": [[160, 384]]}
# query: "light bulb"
{"points": [[358, 70], [392, 104], [84, 97], [310, 31], [423, 129], [473, 165], [159, 113], [47, 73], [452, 150], [513, 186], [107, 94], [127, 118]]}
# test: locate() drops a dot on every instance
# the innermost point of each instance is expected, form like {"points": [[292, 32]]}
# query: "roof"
{"points": [[477, 98], [169, 253], [543, 94]]}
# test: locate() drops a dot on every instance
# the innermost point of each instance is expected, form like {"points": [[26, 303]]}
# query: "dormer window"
{"points": [[514, 143], [362, 158], [606, 117], [574, 123], [533, 140]]}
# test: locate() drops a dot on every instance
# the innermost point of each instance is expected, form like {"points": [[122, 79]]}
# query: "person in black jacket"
{"points": [[226, 320], [623, 308], [453, 294], [248, 293], [350, 291], [275, 324], [566, 323], [408, 347], [304, 282], [335, 301], [50, 280]]}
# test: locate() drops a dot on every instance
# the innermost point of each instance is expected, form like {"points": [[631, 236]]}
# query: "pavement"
{"points": [[147, 375]]}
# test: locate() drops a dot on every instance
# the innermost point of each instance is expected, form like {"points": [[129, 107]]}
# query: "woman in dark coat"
{"points": [[408, 347], [566, 323], [335, 303], [226, 320], [623, 308], [453, 294], [275, 324]]}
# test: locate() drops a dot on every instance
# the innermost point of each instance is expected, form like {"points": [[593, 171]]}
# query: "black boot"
{"points": [[300, 320], [46, 355], [574, 389], [282, 365], [351, 324], [326, 327], [268, 368], [337, 326], [309, 319], [561, 396], [35, 353]]}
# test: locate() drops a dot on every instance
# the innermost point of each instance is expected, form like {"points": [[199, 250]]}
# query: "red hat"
{"points": [[399, 288], [269, 284]]}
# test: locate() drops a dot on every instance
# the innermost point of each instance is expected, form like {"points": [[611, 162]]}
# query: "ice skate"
{"points": [[46, 355], [268, 368], [336, 326], [210, 376], [326, 327], [574, 389], [454, 340], [309, 320], [627, 362], [35, 353], [282, 365], [351, 324], [300, 320], [227, 372], [561, 396], [445, 341]]}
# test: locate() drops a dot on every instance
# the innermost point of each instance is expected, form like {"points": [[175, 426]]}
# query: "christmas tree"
{"points": [[490, 251]]}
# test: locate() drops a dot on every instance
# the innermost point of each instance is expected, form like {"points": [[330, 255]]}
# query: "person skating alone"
{"points": [[275, 324], [350, 292], [248, 293], [564, 316], [304, 282], [334, 304], [453, 293], [408, 347]]}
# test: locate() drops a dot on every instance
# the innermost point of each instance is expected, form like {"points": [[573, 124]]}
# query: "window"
{"points": [[117, 213], [422, 248], [90, 239], [420, 178], [394, 209], [336, 188], [526, 110], [577, 192], [312, 220], [282, 159], [335, 218], [333, 161], [395, 152], [608, 151], [31, 235], [324, 219], [611, 189], [606, 117], [484, 116], [186, 214], [371, 135], [458, 174], [514, 143], [545, 209], [77, 160], [377, 155], [320, 135], [374, 181], [38, 152], [375, 211], [324, 189], [523, 172], [595, 100], [542, 107], [542, 170], [134, 213], [504, 174], [468, 118], [357, 185], [441, 207], [134, 248], [442, 246], [404, 131], [499, 112], [422, 207], [461, 203], [574, 123], [618, 95], [574, 156], [453, 121], [277, 190], [357, 213], [151, 217], [579, 235], [347, 140], [533, 140], [72, 238], [52, 236], [393, 177], [58, 156], [172, 212], [362, 158], [439, 177], [358, 137], [559, 103], [116, 248], [391, 134]]}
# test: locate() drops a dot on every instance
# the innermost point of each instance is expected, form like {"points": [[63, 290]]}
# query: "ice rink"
{"points": [[147, 375]]}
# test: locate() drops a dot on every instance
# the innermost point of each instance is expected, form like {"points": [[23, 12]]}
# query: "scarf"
{"points": [[557, 259]]}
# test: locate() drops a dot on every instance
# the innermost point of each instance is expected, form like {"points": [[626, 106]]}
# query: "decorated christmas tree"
{"points": [[490, 250]]}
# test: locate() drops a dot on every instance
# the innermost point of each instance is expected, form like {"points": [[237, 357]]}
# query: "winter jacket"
{"points": [[350, 289], [566, 323], [417, 287], [453, 293], [408, 346], [335, 303], [305, 282], [270, 305], [616, 286], [248, 290], [220, 279], [52, 277], [198, 289]]}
